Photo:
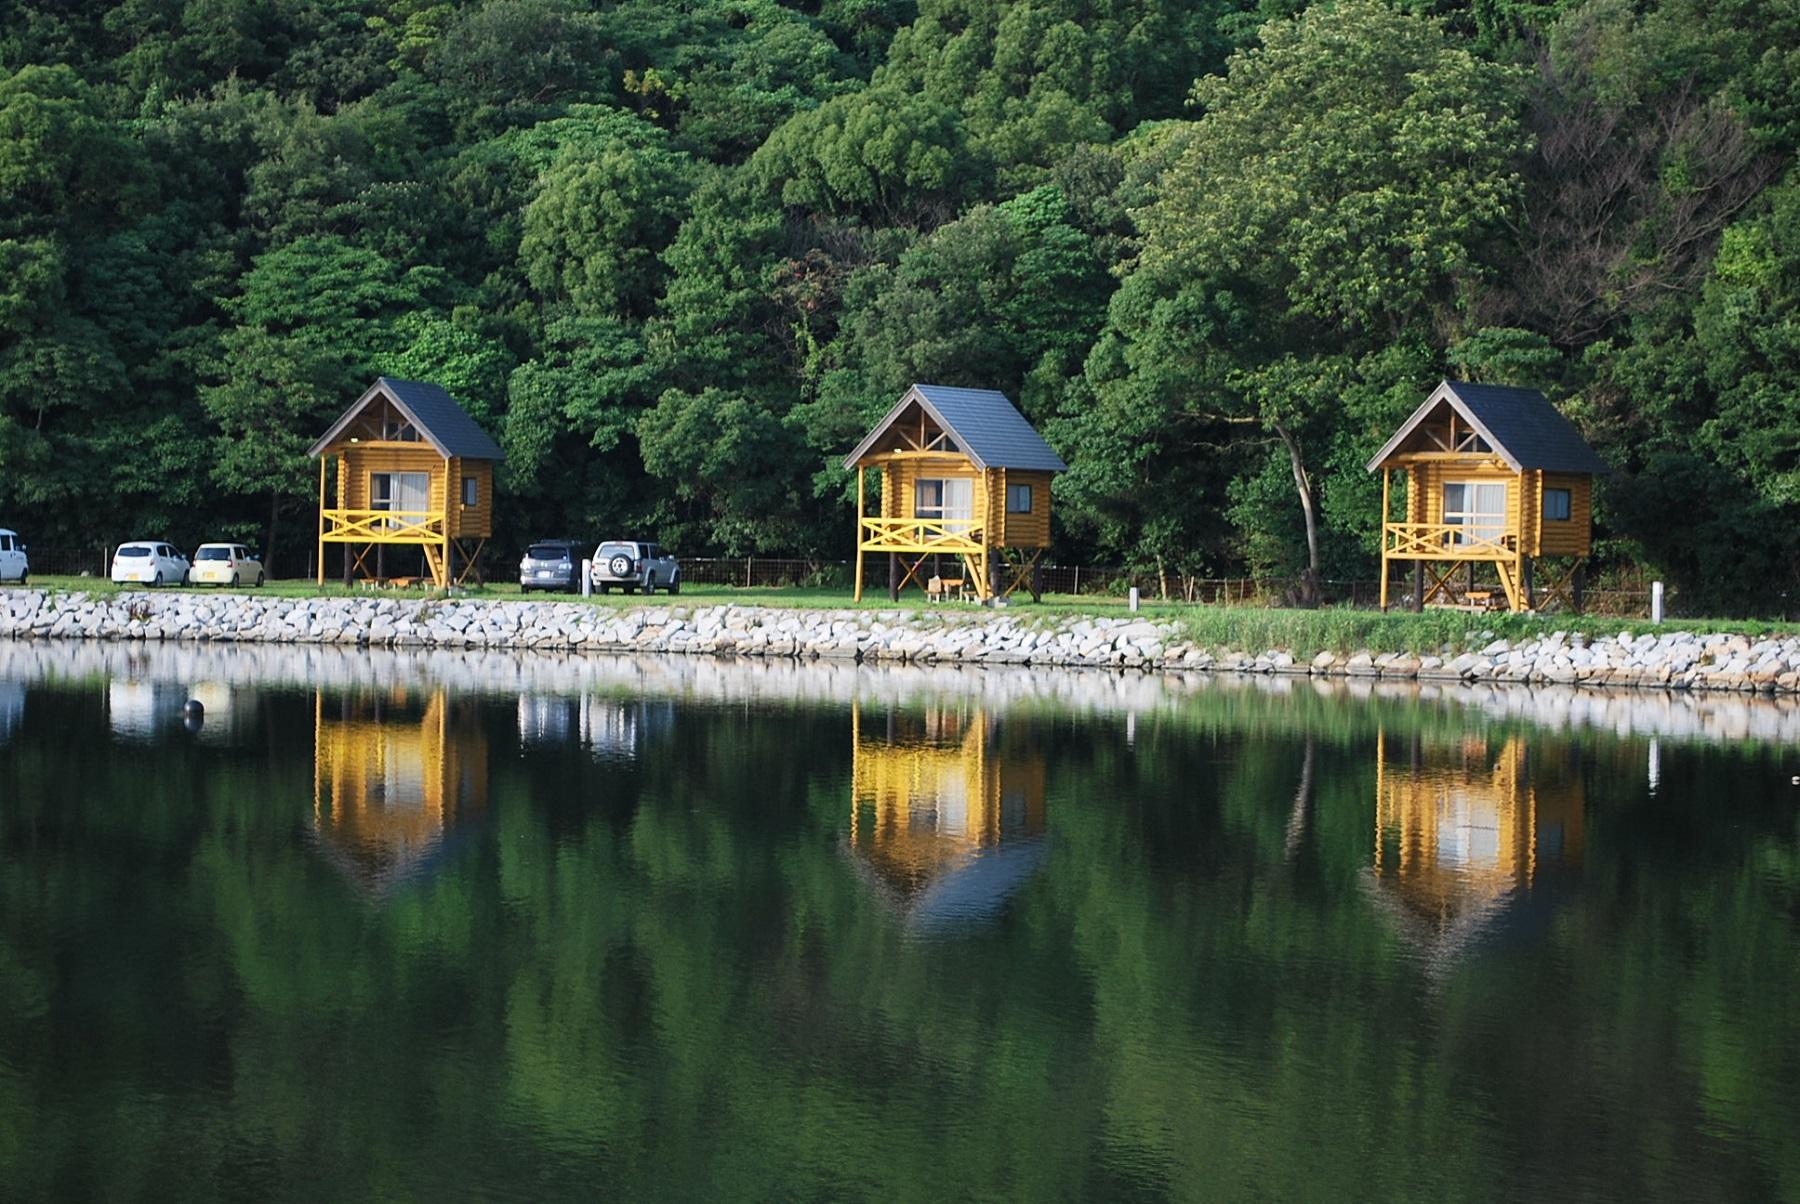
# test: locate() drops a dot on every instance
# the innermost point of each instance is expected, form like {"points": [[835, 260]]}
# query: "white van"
{"points": [[13, 565]]}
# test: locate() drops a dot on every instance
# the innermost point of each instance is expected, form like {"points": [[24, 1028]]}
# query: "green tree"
{"points": [[593, 231], [317, 320], [1335, 196]]}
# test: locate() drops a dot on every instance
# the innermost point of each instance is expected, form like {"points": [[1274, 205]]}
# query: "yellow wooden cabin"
{"points": [[392, 774], [1494, 476], [963, 477], [946, 812], [1464, 830], [412, 471]]}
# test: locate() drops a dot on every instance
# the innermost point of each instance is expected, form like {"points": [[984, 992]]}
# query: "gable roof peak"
{"points": [[1521, 426], [441, 422], [984, 422]]}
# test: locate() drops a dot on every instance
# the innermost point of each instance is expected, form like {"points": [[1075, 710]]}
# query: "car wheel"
{"points": [[259, 578], [158, 580], [675, 586], [605, 588], [649, 584]]}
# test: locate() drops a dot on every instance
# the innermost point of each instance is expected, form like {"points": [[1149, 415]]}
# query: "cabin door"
{"points": [[950, 501], [1479, 508], [404, 492]]}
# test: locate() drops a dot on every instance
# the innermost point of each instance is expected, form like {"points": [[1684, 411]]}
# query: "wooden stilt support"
{"points": [[893, 576], [1387, 478], [861, 474], [322, 508], [1578, 592], [1418, 590]]}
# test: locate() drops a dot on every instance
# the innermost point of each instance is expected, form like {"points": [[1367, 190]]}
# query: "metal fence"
{"points": [[1630, 599]]}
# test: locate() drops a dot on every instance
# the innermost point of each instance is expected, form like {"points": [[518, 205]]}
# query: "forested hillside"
{"points": [[678, 255]]}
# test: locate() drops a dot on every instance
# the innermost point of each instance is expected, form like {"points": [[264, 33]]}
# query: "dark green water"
{"points": [[462, 929]]}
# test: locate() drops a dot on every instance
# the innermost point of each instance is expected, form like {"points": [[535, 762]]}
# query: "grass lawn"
{"points": [[1247, 628]]}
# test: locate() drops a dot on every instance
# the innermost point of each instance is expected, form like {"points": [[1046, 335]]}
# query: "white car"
{"points": [[148, 562], [13, 565], [225, 564], [633, 567]]}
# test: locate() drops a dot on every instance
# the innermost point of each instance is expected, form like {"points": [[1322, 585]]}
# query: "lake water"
{"points": [[491, 927]]}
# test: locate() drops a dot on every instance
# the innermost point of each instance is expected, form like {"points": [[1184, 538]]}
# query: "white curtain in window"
{"points": [[1479, 507], [951, 500]]}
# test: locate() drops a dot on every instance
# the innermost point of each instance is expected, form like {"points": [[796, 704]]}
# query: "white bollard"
{"points": [[1656, 601], [587, 581], [1134, 598]]}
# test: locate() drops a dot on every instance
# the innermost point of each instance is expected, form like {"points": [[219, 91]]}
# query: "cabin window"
{"points": [[1018, 499], [470, 491], [5, 543], [405, 492], [951, 502], [1479, 508], [1558, 505]]}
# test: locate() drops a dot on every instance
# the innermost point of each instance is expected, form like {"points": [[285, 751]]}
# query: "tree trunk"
{"points": [[268, 548], [1310, 592]]}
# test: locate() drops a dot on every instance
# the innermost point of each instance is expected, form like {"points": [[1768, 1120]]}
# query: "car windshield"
{"points": [[213, 554], [609, 550], [547, 551], [133, 551]]}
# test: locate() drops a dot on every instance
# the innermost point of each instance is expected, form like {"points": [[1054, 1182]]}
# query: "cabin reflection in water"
{"points": [[1465, 832], [392, 775], [947, 809]]}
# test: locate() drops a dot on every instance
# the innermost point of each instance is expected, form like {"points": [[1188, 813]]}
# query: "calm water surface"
{"points": [[482, 927]]}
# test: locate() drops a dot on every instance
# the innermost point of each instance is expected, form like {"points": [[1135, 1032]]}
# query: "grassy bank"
{"points": [[1309, 632], [1305, 633]]}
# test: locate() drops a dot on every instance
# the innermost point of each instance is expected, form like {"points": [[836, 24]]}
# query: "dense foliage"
{"points": [[678, 255]]}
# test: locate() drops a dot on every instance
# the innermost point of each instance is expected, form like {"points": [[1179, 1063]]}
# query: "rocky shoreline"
{"points": [[1662, 660]]}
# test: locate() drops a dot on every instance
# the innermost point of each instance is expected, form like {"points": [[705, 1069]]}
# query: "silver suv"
{"points": [[635, 566]]}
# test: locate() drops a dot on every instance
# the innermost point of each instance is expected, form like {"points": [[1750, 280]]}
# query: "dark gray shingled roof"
{"points": [[987, 426], [1521, 425], [443, 423]]}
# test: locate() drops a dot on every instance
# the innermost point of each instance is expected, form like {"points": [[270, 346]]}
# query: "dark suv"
{"points": [[551, 564]]}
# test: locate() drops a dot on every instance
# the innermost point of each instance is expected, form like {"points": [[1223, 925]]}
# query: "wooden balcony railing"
{"points": [[1448, 541], [921, 535], [382, 526]]}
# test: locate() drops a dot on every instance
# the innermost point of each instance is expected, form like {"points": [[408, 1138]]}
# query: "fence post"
{"points": [[747, 561], [1656, 602], [1077, 579]]}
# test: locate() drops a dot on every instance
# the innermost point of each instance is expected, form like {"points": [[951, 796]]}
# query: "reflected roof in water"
{"points": [[1466, 830], [946, 814], [392, 775]]}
